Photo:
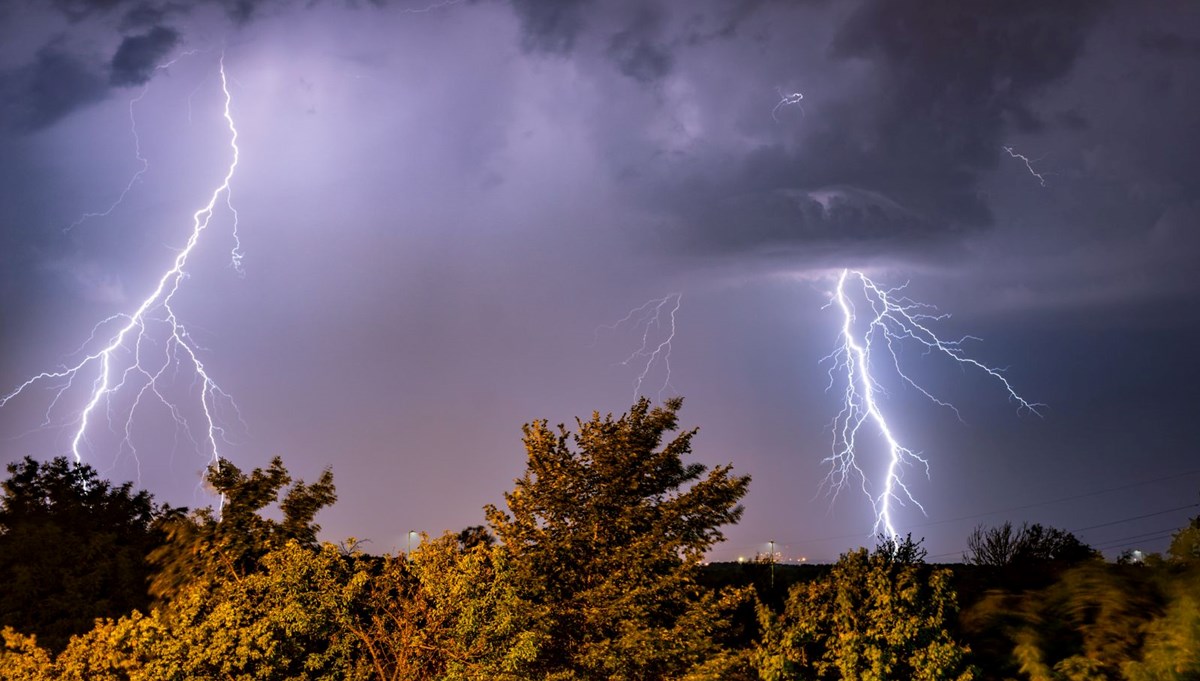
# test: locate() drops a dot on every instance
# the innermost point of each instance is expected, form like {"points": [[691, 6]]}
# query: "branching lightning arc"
{"points": [[655, 320], [150, 344], [1028, 164], [891, 319], [788, 99]]}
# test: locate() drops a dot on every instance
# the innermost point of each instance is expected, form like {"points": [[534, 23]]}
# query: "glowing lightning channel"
{"points": [[127, 356], [893, 319], [656, 320], [1028, 164], [137, 151], [787, 100]]}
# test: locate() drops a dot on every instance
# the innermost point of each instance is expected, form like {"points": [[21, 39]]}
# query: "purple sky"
{"points": [[440, 210]]}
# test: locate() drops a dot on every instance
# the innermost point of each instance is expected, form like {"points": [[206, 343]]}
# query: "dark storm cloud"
{"points": [[53, 85], [139, 55], [637, 51], [77, 10], [900, 161], [1170, 44], [145, 16], [550, 27]]}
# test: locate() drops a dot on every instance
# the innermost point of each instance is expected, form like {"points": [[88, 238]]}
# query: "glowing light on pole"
{"points": [[126, 355], [888, 319], [655, 320]]}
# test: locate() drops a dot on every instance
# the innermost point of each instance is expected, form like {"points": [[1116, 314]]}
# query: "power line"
{"points": [[1059, 500], [1107, 524], [1136, 517]]}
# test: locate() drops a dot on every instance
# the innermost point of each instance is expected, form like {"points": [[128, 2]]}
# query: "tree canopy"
{"points": [[606, 528], [72, 548]]}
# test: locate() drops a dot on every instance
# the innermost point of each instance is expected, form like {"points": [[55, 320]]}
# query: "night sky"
{"points": [[445, 210]]}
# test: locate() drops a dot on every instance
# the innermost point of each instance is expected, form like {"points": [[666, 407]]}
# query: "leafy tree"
{"points": [[446, 612], [1005, 546], [72, 548], [470, 537], [605, 537], [876, 616], [1185, 544], [232, 542]]}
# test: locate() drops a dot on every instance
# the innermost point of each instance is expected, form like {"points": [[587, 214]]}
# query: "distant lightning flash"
{"points": [[1028, 164], [792, 99], [151, 344], [137, 151], [893, 319], [655, 319]]}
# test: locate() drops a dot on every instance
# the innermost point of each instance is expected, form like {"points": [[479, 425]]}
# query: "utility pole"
{"points": [[772, 542]]}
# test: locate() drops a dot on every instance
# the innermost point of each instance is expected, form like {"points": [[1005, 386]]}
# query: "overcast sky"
{"points": [[445, 210]]}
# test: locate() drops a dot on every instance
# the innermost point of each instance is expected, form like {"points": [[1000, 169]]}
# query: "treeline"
{"points": [[593, 570]]}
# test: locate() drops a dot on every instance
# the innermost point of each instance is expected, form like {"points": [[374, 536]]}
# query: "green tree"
{"points": [[232, 542], [605, 537], [876, 616], [1185, 544], [72, 548], [446, 612]]}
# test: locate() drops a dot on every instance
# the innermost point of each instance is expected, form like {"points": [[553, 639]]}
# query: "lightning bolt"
{"points": [[793, 98], [150, 344], [137, 151], [655, 321], [890, 319], [1028, 164]]}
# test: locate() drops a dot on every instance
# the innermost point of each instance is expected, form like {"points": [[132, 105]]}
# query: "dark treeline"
{"points": [[593, 570]]}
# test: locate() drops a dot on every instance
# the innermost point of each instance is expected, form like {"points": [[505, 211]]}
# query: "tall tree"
{"points": [[606, 529], [232, 542], [72, 548]]}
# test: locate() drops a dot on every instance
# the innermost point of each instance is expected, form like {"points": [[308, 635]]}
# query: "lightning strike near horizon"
{"points": [[787, 100], [149, 346], [655, 321], [889, 320], [1028, 164]]}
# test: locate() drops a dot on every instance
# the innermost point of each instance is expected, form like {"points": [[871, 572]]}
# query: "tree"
{"points": [[72, 548], [204, 544], [1185, 544], [876, 616], [1003, 546], [606, 536], [446, 612]]}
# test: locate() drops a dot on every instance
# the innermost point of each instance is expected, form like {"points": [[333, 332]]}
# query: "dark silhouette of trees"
{"points": [[475, 535], [1005, 546], [605, 530], [72, 548]]}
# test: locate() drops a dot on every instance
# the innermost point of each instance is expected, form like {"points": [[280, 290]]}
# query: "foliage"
{"points": [[72, 548], [1003, 546], [1097, 622], [446, 612], [204, 544], [1185, 544], [605, 538], [876, 616]]}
